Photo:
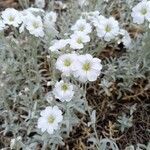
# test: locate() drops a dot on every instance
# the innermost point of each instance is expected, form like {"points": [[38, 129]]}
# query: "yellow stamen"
{"points": [[64, 87], [86, 67], [35, 25], [108, 28], [67, 62], [51, 119]]}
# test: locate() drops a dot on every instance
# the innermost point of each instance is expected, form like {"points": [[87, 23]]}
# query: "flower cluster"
{"points": [[51, 117], [27, 19], [83, 67], [141, 12], [51, 63], [71, 60], [81, 29], [74, 63], [107, 28]]}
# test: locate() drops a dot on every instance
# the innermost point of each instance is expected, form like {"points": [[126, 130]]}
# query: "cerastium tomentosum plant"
{"points": [[47, 59]]}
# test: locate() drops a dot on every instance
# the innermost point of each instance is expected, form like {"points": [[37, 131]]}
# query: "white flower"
{"points": [[50, 119], [78, 39], [40, 3], [141, 12], [63, 91], [82, 25], [126, 38], [35, 26], [26, 16], [50, 19], [12, 17], [66, 63], [59, 45], [89, 68], [107, 28], [2, 25]]}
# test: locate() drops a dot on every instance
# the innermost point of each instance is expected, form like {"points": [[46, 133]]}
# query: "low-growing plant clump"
{"points": [[75, 75]]}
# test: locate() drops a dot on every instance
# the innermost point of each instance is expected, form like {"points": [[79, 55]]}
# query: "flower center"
{"points": [[64, 87], [51, 119], [108, 28], [35, 25], [86, 67], [79, 40], [11, 18], [143, 11], [81, 28], [67, 62]]}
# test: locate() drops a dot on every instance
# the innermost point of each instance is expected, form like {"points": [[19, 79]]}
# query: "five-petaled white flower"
{"points": [[141, 12], [89, 68], [82, 26], [12, 17], [107, 28], [50, 119], [35, 26], [78, 39], [63, 91], [66, 63]]}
